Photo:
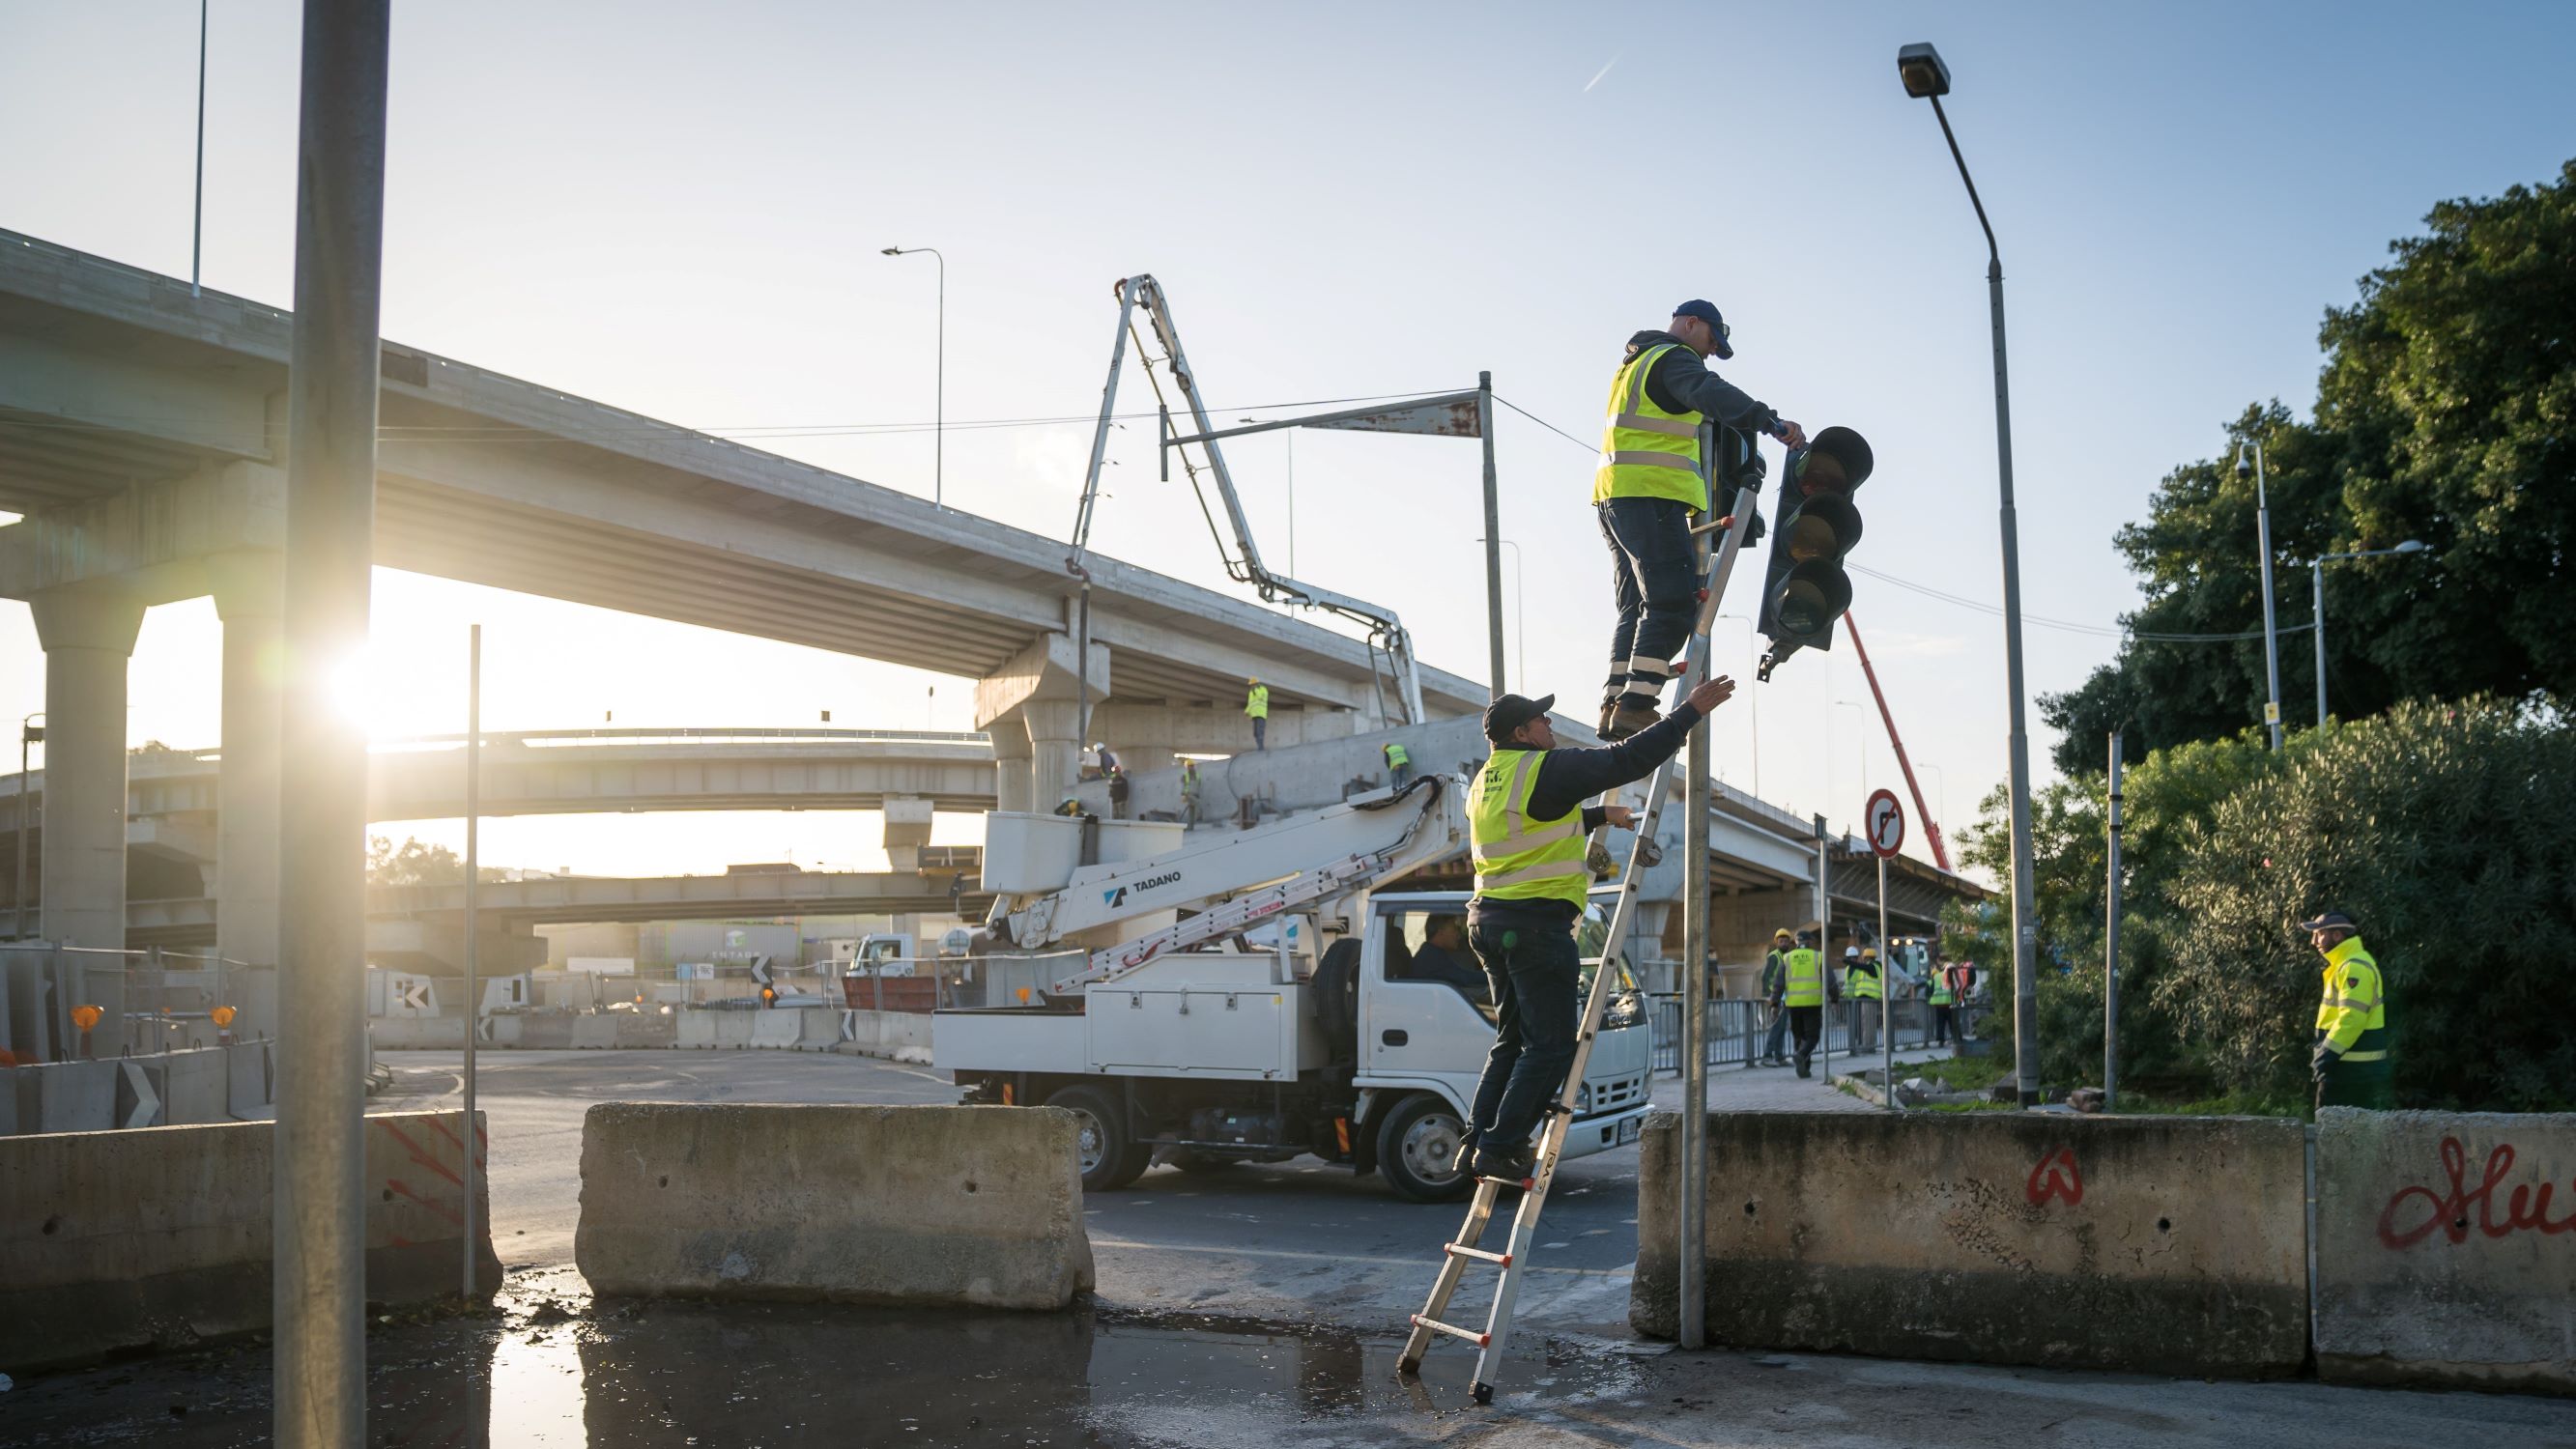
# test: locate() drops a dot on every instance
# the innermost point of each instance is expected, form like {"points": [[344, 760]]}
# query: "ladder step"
{"points": [[1474, 1336], [1523, 1183], [1499, 1260]]}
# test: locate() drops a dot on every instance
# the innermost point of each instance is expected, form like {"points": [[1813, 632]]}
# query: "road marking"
{"points": [[1099, 1242]]}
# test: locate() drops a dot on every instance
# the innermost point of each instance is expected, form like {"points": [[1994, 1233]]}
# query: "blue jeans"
{"points": [[1656, 588], [1775, 1045], [1533, 971]]}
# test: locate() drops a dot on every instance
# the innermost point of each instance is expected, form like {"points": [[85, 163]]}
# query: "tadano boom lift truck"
{"points": [[1248, 997]]}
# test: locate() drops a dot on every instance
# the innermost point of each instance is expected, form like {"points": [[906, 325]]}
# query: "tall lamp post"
{"points": [[1520, 634], [2271, 635], [1927, 78], [2317, 594], [939, 423]]}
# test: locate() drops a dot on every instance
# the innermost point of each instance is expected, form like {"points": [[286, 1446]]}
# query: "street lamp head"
{"points": [[2412, 545], [1922, 70], [891, 252]]}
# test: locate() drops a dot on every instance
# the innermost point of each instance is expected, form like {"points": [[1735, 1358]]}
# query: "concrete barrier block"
{"points": [[2441, 1255], [67, 1097], [593, 1032], [196, 1087], [249, 1085], [648, 1030], [969, 1206], [141, 1091], [775, 1028], [160, 1238], [697, 1028], [2148, 1244]]}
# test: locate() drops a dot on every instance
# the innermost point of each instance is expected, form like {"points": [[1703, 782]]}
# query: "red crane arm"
{"points": [[1931, 827]]}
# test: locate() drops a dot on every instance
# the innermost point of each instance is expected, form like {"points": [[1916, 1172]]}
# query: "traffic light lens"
{"points": [[1825, 528]]}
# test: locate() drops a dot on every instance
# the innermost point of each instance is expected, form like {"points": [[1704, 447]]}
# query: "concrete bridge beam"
{"points": [[251, 604], [1039, 694], [87, 634]]}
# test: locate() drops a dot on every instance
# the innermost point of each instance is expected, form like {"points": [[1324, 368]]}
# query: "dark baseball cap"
{"points": [[1512, 711], [1706, 311], [2331, 920]]}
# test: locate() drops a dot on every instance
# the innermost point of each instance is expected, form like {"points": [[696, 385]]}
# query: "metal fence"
{"points": [[147, 1001], [1738, 1029]]}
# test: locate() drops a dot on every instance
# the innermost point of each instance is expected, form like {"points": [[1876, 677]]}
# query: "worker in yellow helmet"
{"points": [[2350, 1060], [1256, 707]]}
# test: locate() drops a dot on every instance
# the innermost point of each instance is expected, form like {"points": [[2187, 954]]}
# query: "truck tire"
{"points": [[1110, 1158], [1415, 1145]]}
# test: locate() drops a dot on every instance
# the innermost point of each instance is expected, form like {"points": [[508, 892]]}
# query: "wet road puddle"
{"points": [[553, 1368]]}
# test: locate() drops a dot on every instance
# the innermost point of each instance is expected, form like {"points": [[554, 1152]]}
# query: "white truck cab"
{"points": [[1368, 1055]]}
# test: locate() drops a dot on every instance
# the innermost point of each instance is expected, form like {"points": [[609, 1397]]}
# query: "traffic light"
{"points": [[1804, 588]]}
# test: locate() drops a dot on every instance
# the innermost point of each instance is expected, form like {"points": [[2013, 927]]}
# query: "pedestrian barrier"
{"points": [[2440, 1248], [2146, 1244], [1738, 1027], [125, 1240], [963, 1206]]}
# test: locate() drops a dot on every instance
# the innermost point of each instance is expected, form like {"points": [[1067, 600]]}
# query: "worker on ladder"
{"points": [[1647, 488], [1527, 825]]}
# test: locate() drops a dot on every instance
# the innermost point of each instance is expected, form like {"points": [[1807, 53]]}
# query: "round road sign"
{"points": [[1885, 821]]}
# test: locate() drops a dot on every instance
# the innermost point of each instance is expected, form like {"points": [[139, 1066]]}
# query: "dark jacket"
{"points": [[1567, 778], [1682, 383]]}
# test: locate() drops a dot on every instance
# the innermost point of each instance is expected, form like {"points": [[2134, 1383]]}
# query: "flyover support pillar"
{"points": [[1010, 766], [251, 602], [1055, 749], [88, 635]]}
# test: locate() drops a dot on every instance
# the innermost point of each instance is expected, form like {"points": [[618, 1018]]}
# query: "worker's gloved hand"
{"points": [[2319, 1063]]}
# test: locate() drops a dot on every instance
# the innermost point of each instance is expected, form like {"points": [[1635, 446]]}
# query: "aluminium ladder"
{"points": [[1559, 1117]]}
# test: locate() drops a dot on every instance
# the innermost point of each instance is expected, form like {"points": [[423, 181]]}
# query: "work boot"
{"points": [[1466, 1151], [1626, 719], [1609, 707], [1506, 1164]]}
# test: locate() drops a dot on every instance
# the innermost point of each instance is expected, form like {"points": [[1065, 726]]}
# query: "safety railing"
{"points": [[1739, 1031]]}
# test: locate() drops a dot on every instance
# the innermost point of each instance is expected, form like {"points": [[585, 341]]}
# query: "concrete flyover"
{"points": [[141, 435]]}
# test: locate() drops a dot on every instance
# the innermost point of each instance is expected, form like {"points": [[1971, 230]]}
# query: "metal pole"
{"points": [[2025, 914], [2317, 614], [1694, 1123], [319, 1276], [2271, 635], [197, 238], [473, 875], [2111, 947], [1886, 992], [938, 408], [1493, 536], [18, 900], [1825, 952]]}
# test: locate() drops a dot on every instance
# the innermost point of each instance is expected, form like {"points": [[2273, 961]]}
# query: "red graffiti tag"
{"points": [[2526, 1207], [2055, 1176]]}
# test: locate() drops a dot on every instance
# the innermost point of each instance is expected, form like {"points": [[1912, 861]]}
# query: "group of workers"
{"points": [[1796, 985]]}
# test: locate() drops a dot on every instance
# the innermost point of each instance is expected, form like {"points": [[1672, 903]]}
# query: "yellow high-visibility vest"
{"points": [[1257, 703], [1517, 858], [1806, 983], [2353, 1016], [1860, 983], [1397, 755], [1647, 452]]}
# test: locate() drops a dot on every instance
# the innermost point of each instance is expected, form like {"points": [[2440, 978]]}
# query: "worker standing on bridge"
{"points": [[1256, 705], [2350, 1060], [1646, 490], [1527, 823], [1805, 997], [1189, 792], [1862, 985], [1399, 765]]}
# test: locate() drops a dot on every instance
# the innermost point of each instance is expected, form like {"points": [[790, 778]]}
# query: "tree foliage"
{"points": [[2446, 413], [413, 863]]}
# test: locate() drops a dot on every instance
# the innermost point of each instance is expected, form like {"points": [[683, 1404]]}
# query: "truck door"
{"points": [[1425, 1005]]}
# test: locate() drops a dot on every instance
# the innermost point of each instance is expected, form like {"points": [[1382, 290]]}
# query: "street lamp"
{"points": [[2317, 592], [939, 423], [1290, 434], [2271, 636], [1927, 78], [29, 733]]}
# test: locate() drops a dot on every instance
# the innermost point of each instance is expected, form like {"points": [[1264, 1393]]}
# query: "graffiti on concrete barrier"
{"points": [[2416, 1213], [2055, 1176]]}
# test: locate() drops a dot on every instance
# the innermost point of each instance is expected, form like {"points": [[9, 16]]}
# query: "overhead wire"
{"points": [[2071, 626]]}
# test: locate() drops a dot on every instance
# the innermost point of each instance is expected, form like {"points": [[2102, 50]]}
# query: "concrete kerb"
{"points": [[962, 1206], [2439, 1255], [161, 1237], [2166, 1245]]}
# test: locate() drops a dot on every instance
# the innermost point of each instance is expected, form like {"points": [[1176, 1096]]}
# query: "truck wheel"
{"points": [[1416, 1145], [1109, 1159]]}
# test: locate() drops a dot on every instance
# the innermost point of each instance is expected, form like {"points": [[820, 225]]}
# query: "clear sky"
{"points": [[677, 208]]}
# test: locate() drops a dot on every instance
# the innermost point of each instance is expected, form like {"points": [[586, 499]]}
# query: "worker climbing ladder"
{"points": [[1465, 1250]]}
